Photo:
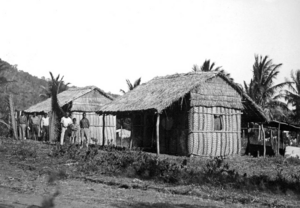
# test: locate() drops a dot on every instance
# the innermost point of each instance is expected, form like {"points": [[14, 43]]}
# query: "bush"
{"points": [[215, 171]]}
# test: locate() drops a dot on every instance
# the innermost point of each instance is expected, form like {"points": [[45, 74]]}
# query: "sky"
{"points": [[103, 43]]}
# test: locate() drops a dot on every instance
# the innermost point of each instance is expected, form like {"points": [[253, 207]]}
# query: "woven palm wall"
{"points": [[205, 141], [213, 98], [96, 126]]}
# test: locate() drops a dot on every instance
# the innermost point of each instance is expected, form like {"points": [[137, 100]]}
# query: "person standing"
{"points": [[65, 122], [45, 127], [85, 129], [22, 126], [35, 124], [75, 138]]}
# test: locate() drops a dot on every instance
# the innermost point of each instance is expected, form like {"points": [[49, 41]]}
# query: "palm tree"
{"points": [[262, 89], [292, 94], [132, 86], [206, 66], [56, 111], [47, 89]]}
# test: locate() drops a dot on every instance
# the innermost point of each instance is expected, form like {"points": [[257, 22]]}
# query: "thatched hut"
{"points": [[187, 114], [79, 100]]}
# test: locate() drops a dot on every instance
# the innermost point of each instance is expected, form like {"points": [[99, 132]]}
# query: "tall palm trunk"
{"points": [[56, 110], [12, 115]]}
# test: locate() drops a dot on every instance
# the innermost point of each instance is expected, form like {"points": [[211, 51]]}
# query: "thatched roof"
{"points": [[160, 92], [86, 99]]}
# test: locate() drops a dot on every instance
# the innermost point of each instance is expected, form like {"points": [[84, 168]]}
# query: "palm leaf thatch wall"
{"points": [[188, 105], [79, 100]]}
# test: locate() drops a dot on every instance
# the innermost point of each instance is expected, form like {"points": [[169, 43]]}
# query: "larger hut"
{"points": [[79, 100], [187, 114]]}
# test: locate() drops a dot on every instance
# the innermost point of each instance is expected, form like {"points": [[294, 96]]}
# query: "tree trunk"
{"points": [[53, 131], [12, 115]]}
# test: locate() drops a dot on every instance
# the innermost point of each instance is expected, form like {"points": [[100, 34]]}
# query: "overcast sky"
{"points": [[103, 43]]}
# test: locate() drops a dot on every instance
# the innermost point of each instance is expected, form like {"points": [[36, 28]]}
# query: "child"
{"points": [[74, 127]]}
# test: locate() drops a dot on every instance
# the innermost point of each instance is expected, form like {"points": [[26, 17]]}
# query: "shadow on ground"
{"points": [[160, 205]]}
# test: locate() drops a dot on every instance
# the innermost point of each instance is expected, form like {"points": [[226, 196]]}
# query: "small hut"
{"points": [[187, 114], [79, 100]]}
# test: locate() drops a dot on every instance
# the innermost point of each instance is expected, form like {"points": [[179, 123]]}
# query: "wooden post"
{"points": [[278, 140], [271, 138], [132, 132], [248, 135], [157, 133], [121, 133], [263, 137], [103, 129], [12, 115]]}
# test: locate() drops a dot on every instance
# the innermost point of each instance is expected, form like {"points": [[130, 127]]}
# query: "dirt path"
{"points": [[21, 188]]}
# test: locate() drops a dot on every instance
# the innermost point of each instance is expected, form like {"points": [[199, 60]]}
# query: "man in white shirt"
{"points": [[65, 122], [45, 127]]}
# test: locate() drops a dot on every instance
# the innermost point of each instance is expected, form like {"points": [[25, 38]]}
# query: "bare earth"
{"points": [[21, 188]]}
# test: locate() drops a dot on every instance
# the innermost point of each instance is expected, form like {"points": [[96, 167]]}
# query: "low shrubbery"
{"points": [[215, 171], [245, 174]]}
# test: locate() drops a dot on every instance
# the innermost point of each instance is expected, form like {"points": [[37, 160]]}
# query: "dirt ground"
{"points": [[20, 188], [24, 183]]}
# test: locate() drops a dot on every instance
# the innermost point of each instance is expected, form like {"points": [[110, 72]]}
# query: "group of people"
{"points": [[70, 129], [78, 134], [38, 127]]}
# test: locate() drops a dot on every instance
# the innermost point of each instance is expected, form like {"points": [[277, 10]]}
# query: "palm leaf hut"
{"points": [[79, 100], [187, 114]]}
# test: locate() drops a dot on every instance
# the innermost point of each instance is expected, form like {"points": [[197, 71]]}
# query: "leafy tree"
{"points": [[292, 94], [25, 88], [262, 89], [206, 66], [131, 86], [126, 122], [7, 109]]}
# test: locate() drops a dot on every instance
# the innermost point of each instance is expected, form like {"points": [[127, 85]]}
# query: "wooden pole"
{"points": [[271, 139], [248, 135], [263, 137], [132, 132], [121, 133], [103, 129], [12, 115], [278, 140], [157, 133]]}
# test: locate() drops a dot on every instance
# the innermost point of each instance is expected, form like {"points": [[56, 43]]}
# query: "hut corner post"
{"points": [[157, 133], [103, 129]]}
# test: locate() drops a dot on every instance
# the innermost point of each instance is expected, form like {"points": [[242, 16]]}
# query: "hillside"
{"points": [[26, 88]]}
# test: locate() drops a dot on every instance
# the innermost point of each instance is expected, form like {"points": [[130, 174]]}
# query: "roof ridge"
{"points": [[172, 76]]}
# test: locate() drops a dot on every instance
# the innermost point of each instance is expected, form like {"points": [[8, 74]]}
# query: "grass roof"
{"points": [[73, 94], [161, 92]]}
